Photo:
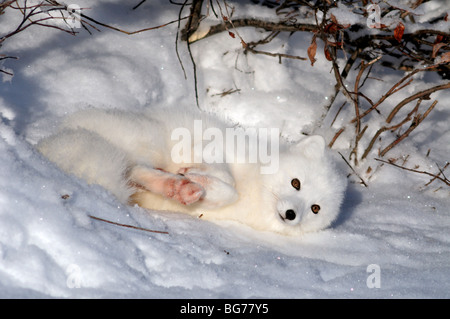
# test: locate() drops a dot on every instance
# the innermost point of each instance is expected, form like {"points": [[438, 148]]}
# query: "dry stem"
{"points": [[421, 94], [435, 176], [416, 121], [128, 226]]}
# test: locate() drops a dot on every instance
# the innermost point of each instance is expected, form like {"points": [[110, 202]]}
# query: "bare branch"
{"points": [[259, 24], [421, 94], [417, 120], [435, 176]]}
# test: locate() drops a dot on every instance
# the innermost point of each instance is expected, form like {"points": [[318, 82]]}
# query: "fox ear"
{"points": [[312, 147]]}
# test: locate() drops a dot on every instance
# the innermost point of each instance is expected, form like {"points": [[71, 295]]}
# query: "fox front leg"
{"points": [[171, 186]]}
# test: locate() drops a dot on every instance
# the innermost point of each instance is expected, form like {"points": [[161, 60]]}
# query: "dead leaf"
{"points": [[439, 38], [312, 51], [333, 18], [331, 28], [335, 25], [398, 32], [232, 34], [328, 54]]}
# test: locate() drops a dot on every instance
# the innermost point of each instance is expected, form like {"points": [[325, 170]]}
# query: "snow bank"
{"points": [[391, 234]]}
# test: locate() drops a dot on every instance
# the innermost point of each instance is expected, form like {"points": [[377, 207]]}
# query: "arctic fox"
{"points": [[132, 155]]}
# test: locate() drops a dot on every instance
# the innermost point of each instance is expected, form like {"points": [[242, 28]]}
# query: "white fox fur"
{"points": [[129, 154]]}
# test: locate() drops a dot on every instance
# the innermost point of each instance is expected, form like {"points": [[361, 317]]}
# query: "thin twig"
{"points": [[435, 176], [176, 39], [390, 128], [256, 23], [337, 113], [194, 68], [357, 139], [420, 94], [338, 133], [138, 5], [279, 55], [417, 120], [441, 172], [360, 178], [130, 32], [128, 226], [190, 27]]}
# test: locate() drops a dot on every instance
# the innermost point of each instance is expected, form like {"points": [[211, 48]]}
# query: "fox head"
{"points": [[306, 192]]}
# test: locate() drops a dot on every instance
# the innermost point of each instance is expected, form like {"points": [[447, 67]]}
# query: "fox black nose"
{"points": [[290, 214]]}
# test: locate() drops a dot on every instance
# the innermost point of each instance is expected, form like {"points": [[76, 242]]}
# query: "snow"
{"points": [[394, 232]]}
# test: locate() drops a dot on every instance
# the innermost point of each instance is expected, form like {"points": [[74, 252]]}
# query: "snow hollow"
{"points": [[392, 239]]}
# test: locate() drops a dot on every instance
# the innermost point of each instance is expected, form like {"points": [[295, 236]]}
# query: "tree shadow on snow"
{"points": [[25, 95]]}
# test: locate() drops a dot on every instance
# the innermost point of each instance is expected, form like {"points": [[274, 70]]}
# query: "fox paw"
{"points": [[217, 192], [171, 186], [183, 190]]}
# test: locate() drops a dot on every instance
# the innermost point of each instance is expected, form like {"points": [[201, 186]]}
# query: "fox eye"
{"points": [[296, 183], [315, 208]]}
